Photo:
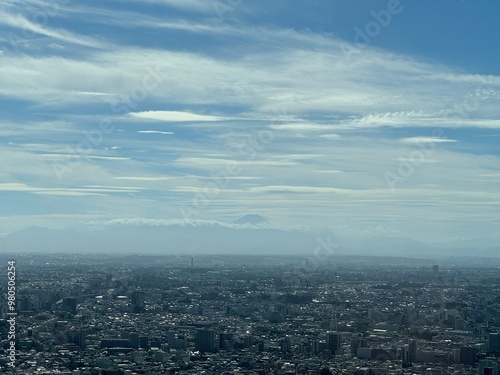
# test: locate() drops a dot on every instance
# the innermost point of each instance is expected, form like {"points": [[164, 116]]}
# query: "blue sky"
{"points": [[377, 117]]}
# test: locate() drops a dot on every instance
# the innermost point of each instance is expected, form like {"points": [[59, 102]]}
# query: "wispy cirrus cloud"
{"points": [[154, 132], [83, 191], [198, 6], [412, 119], [21, 23], [174, 116], [427, 140]]}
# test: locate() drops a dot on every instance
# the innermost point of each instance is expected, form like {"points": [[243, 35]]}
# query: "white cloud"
{"points": [[20, 22], [153, 132], [303, 189], [427, 140], [364, 89], [139, 221], [414, 119], [301, 127], [142, 178], [174, 116], [68, 193], [200, 6], [89, 93], [83, 156], [197, 162], [84, 191]]}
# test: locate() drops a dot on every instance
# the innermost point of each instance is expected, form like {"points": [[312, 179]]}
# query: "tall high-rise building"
{"points": [[333, 342], [248, 341], [468, 355], [413, 351], [171, 339], [144, 342], [205, 340], [357, 342], [494, 342], [82, 338], [69, 304], [286, 345], [226, 341], [489, 366], [138, 297], [314, 346], [134, 340], [76, 336], [24, 304], [181, 342]]}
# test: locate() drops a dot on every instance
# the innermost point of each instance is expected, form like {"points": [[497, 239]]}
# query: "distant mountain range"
{"points": [[167, 239], [250, 234]]}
